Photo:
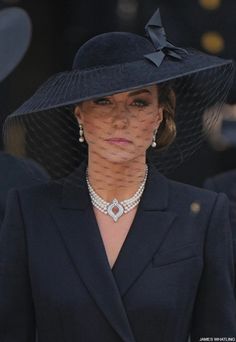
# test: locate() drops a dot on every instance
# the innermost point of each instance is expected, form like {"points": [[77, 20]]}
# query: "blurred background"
{"points": [[61, 27]]}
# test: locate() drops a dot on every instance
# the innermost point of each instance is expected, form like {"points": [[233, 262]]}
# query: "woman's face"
{"points": [[120, 127]]}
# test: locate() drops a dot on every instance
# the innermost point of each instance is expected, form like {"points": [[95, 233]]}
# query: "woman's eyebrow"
{"points": [[138, 92]]}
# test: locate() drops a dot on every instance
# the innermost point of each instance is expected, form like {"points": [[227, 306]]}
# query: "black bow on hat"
{"points": [[156, 33]]}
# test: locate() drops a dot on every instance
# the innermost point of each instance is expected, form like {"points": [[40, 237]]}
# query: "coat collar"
{"points": [[79, 230]]}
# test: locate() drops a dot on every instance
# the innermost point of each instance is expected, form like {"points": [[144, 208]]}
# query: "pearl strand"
{"points": [[123, 207]]}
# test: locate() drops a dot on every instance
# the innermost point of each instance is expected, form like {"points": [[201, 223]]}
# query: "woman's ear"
{"points": [[78, 114], [159, 117]]}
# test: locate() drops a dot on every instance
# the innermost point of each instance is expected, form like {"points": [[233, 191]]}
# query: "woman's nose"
{"points": [[120, 117]]}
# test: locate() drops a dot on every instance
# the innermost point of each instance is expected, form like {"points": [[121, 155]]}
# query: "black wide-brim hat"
{"points": [[15, 35], [116, 62]]}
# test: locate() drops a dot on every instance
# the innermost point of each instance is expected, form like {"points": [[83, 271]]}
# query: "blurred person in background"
{"points": [[224, 135], [15, 33], [115, 251], [208, 25]]}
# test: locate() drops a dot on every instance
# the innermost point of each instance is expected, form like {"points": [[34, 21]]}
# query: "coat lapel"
{"points": [[78, 228], [149, 230]]}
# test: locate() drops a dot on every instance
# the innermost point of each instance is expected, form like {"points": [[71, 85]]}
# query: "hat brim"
{"points": [[48, 131], [15, 35], [75, 86]]}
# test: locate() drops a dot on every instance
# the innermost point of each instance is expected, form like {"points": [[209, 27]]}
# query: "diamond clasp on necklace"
{"points": [[115, 205], [116, 209]]}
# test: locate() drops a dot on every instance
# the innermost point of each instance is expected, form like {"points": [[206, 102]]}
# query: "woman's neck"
{"points": [[116, 180]]}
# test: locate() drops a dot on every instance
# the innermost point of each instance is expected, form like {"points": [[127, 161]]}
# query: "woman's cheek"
{"points": [[91, 129]]}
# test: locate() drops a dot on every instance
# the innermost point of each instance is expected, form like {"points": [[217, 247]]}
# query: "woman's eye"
{"points": [[102, 101], [140, 103]]}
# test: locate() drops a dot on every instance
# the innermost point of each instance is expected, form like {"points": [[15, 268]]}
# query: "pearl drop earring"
{"points": [[81, 133], [154, 144]]}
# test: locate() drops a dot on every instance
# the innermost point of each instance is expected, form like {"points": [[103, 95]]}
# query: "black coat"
{"points": [[14, 174], [172, 278]]}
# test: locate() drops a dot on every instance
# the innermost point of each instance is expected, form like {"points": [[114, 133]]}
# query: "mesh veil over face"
{"points": [[105, 71], [51, 137]]}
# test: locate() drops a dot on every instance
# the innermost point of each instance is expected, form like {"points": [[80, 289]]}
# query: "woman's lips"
{"points": [[119, 141]]}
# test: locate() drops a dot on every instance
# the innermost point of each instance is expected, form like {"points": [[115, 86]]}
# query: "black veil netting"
{"points": [[51, 137]]}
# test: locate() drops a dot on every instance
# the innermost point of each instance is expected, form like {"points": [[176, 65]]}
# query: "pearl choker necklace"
{"points": [[122, 207]]}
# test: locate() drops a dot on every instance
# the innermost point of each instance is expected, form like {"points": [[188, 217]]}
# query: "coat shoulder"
{"points": [[41, 195], [190, 190], [222, 182], [16, 170], [188, 196]]}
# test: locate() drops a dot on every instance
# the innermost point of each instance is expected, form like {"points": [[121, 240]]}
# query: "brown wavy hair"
{"points": [[167, 129]]}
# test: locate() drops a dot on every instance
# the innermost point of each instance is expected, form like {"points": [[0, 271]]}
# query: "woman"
{"points": [[116, 251]]}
